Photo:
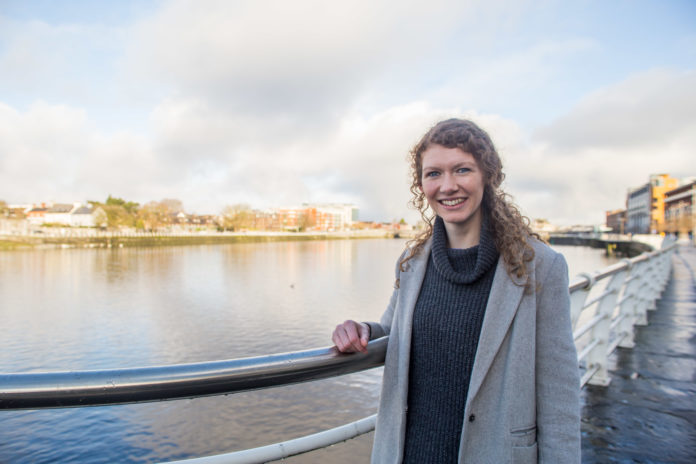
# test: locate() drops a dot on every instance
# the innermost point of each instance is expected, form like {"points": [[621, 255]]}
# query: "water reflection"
{"points": [[75, 309]]}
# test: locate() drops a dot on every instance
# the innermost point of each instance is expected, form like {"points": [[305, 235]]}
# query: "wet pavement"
{"points": [[648, 412]]}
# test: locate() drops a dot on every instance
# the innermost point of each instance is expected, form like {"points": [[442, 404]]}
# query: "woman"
{"points": [[481, 365]]}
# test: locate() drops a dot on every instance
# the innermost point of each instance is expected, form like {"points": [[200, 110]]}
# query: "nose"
{"points": [[449, 183]]}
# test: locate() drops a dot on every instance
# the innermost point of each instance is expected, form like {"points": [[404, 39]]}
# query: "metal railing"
{"points": [[121, 386], [606, 304]]}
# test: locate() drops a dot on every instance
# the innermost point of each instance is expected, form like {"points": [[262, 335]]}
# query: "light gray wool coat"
{"points": [[523, 404]]}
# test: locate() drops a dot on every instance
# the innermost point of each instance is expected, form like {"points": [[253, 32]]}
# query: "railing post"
{"points": [[665, 264], [627, 307], [652, 282], [598, 357], [639, 297], [578, 298]]}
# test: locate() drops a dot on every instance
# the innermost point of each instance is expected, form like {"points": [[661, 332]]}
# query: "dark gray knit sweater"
{"points": [[446, 326]]}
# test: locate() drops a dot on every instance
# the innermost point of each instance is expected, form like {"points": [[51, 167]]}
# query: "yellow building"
{"points": [[660, 184]]}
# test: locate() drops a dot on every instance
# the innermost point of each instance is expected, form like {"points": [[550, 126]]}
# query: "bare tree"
{"points": [[237, 217], [153, 215], [174, 205]]}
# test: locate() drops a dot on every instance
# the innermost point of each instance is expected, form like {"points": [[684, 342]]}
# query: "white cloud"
{"points": [[276, 103], [569, 172], [307, 60], [503, 80], [582, 164], [647, 110], [53, 153]]}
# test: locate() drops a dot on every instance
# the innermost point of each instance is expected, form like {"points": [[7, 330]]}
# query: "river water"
{"points": [[79, 309]]}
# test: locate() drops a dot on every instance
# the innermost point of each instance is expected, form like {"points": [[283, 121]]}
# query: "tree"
{"points": [[236, 217], [130, 206], [117, 216], [174, 205], [4, 210], [101, 219], [153, 215], [119, 212], [306, 221]]}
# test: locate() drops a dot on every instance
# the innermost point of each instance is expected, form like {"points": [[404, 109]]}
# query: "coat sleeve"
{"points": [[557, 373], [383, 327]]}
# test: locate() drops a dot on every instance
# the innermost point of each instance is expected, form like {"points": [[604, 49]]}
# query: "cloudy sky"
{"points": [[275, 103]]}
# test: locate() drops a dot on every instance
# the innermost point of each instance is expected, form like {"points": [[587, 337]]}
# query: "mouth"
{"points": [[452, 202]]}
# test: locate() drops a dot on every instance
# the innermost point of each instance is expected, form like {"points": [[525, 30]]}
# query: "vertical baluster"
{"points": [[639, 298], [652, 277], [627, 306], [578, 298], [665, 260], [599, 356]]}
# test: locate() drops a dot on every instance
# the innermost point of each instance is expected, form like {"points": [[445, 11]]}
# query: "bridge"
{"points": [[648, 412], [619, 244], [638, 379]]}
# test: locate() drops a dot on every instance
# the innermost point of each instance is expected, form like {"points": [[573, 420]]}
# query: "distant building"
{"points": [[639, 210], [35, 214], [679, 209], [86, 216], [616, 221], [66, 214], [325, 217], [659, 185], [645, 205], [332, 216], [60, 213]]}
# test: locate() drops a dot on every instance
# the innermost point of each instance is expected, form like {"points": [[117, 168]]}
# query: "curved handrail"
{"points": [[289, 448], [118, 386]]}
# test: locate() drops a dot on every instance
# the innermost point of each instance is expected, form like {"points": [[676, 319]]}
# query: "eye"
{"points": [[463, 170], [431, 174]]}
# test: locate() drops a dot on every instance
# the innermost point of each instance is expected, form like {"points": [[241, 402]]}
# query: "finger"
{"points": [[352, 329], [365, 335], [342, 340]]}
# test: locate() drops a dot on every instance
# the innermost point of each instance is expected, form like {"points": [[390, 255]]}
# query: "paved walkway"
{"points": [[648, 412]]}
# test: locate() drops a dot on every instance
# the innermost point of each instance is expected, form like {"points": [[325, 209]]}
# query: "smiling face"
{"points": [[453, 185]]}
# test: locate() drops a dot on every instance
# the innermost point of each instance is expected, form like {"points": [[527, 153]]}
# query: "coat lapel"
{"points": [[410, 284], [502, 305]]}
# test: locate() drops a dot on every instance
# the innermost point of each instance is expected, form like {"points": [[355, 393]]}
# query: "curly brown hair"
{"points": [[509, 228]]}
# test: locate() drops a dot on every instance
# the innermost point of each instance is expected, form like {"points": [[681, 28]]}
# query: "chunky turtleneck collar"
{"points": [[463, 266]]}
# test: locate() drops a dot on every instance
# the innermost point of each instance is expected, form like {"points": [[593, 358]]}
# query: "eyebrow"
{"points": [[458, 165]]}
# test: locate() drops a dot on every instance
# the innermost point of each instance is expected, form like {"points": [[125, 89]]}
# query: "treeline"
{"points": [[150, 216], [120, 213], [158, 214]]}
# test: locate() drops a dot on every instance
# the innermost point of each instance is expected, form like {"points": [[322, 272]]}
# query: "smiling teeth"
{"points": [[452, 202]]}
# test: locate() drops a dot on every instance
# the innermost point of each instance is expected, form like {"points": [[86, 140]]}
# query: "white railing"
{"points": [[605, 307]]}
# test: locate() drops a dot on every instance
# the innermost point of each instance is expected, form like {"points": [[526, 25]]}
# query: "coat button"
{"points": [[472, 418]]}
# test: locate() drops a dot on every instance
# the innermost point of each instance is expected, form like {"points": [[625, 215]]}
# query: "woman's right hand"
{"points": [[351, 337]]}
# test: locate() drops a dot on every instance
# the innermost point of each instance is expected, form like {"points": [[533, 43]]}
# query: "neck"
{"points": [[464, 235]]}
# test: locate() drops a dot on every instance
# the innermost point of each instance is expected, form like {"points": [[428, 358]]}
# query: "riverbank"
{"points": [[12, 244], [106, 240]]}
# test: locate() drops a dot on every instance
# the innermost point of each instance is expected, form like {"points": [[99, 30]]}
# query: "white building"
{"points": [[334, 216], [70, 215]]}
